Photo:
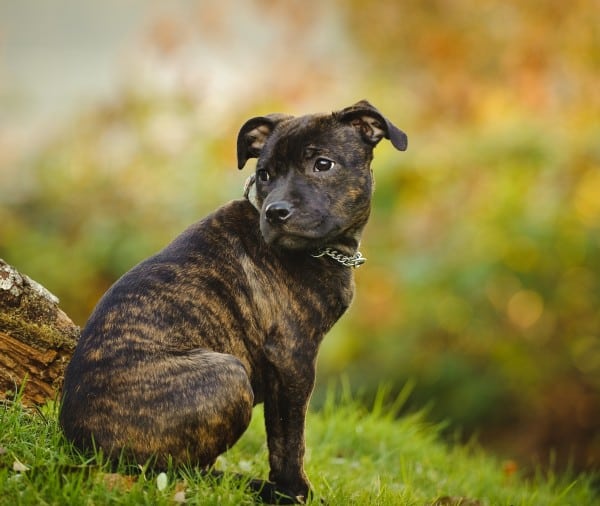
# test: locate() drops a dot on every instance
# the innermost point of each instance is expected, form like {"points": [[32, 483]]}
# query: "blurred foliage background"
{"points": [[117, 129]]}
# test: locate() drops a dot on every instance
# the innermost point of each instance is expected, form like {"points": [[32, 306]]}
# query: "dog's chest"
{"points": [[302, 300]]}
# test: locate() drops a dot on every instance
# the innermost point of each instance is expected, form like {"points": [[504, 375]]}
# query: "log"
{"points": [[37, 338]]}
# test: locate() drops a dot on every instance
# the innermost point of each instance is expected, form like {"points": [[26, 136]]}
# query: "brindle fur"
{"points": [[232, 312]]}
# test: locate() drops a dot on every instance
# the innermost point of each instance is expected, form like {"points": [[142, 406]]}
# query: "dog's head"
{"points": [[313, 176]]}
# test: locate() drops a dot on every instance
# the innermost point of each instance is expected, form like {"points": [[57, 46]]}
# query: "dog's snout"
{"points": [[278, 212]]}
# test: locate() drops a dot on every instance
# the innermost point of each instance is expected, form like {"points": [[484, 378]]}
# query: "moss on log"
{"points": [[37, 338]]}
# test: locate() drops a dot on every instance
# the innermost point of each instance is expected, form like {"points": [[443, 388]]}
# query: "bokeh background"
{"points": [[482, 290]]}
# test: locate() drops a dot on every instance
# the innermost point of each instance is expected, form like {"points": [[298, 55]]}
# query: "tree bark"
{"points": [[37, 338]]}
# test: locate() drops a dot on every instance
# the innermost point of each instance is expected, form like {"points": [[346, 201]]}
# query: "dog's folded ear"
{"points": [[253, 135], [372, 125]]}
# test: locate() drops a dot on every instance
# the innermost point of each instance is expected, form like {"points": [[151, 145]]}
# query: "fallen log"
{"points": [[37, 338]]}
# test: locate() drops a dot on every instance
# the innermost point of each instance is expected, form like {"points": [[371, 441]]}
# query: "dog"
{"points": [[232, 312]]}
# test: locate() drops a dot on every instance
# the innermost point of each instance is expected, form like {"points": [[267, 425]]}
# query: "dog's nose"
{"points": [[278, 212]]}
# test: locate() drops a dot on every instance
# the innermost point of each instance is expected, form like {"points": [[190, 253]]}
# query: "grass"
{"points": [[355, 456]]}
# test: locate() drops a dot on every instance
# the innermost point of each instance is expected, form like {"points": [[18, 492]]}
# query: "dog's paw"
{"points": [[268, 492]]}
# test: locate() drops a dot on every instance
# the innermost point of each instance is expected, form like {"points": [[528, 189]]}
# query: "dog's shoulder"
{"points": [[235, 221]]}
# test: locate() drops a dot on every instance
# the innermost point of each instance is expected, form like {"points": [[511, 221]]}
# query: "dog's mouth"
{"points": [[294, 235], [293, 241]]}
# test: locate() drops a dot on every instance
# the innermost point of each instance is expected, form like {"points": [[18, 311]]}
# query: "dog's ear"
{"points": [[372, 125], [253, 135]]}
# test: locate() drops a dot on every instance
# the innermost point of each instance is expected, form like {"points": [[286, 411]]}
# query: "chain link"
{"points": [[355, 260]]}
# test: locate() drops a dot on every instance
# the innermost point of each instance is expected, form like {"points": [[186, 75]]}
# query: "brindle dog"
{"points": [[232, 312]]}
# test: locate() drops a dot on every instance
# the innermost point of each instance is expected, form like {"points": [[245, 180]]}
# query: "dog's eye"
{"points": [[263, 175], [323, 164]]}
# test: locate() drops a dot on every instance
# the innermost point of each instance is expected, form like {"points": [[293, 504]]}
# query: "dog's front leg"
{"points": [[286, 403]]}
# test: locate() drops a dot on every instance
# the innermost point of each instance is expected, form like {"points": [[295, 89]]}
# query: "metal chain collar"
{"points": [[355, 260]]}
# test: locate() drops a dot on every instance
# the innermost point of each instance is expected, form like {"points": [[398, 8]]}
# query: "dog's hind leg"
{"points": [[186, 408], [208, 400]]}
